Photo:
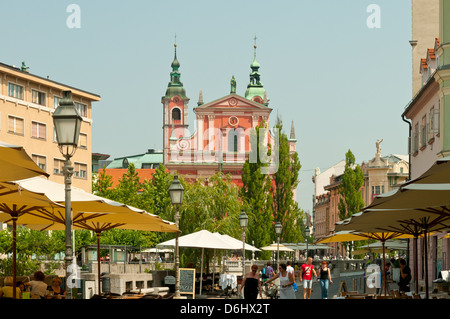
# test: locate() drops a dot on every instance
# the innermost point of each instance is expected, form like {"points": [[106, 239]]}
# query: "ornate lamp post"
{"points": [[278, 230], [67, 122], [243, 221], [307, 234], [176, 191]]}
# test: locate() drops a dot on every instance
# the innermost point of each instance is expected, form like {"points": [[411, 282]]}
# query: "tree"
{"points": [[285, 181], [33, 248], [102, 185], [256, 194], [351, 200], [211, 204]]}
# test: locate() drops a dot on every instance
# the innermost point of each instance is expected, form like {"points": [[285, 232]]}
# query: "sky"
{"points": [[341, 70]]}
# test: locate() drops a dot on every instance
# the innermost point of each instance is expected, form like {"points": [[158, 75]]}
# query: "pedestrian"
{"points": [[7, 291], [267, 271], [405, 276], [291, 270], [307, 272], [286, 282], [251, 284], [325, 279]]}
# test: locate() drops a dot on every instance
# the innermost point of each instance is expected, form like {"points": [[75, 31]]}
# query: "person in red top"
{"points": [[306, 276]]}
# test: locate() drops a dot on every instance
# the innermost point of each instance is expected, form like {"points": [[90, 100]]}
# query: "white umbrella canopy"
{"points": [[274, 247], [200, 239], [16, 164], [237, 242]]}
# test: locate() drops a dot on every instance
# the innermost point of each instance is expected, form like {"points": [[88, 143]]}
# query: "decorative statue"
{"points": [[233, 85], [378, 146]]}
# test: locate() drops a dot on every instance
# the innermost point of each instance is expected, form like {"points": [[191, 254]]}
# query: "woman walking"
{"points": [[251, 284], [325, 279], [286, 282]]}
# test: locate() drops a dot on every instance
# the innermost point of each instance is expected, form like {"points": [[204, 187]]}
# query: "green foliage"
{"points": [[32, 248], [351, 201], [256, 196], [128, 237], [213, 205], [285, 181]]}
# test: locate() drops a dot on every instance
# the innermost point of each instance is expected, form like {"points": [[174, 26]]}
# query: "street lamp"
{"points": [[243, 221], [67, 122], [278, 230], [176, 191], [307, 234]]}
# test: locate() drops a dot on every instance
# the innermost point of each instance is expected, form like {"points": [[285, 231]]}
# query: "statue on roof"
{"points": [[378, 147], [24, 67], [233, 85]]}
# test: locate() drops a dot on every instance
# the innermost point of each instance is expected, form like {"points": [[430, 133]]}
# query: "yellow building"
{"points": [[27, 103]]}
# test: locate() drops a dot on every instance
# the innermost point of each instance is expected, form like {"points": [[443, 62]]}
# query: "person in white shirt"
{"points": [[38, 286]]}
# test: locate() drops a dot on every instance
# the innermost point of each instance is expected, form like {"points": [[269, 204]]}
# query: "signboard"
{"points": [[187, 281]]}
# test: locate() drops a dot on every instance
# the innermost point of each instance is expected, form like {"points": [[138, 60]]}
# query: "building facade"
{"points": [[429, 124], [381, 174], [224, 127], [27, 103]]}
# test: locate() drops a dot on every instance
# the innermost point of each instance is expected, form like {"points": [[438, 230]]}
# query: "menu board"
{"points": [[187, 281]]}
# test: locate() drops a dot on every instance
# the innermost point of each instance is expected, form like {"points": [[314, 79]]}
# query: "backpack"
{"points": [[264, 273]]}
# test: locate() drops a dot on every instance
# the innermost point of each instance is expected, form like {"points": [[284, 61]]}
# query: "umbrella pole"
{"points": [[98, 262], [14, 262], [201, 273], [214, 269], [416, 270], [426, 262], [384, 271]]}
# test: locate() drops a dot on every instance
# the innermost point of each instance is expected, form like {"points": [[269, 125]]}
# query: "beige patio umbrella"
{"points": [[17, 204], [377, 247], [364, 234], [16, 164], [90, 212], [408, 222]]}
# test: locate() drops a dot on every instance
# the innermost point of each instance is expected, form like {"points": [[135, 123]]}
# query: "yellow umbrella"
{"points": [[90, 212], [16, 164], [17, 204], [353, 235]]}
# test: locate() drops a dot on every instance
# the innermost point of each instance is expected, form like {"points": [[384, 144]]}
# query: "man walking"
{"points": [[307, 272]]}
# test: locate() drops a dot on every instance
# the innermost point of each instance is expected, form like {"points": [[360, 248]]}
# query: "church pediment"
{"points": [[232, 101]]}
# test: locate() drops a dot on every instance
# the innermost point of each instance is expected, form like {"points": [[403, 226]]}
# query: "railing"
{"points": [[338, 267]]}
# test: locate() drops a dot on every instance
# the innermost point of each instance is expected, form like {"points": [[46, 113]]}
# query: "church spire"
{"points": [[175, 86], [255, 90]]}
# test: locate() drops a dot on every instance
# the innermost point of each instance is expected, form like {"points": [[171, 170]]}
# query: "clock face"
{"points": [[233, 121]]}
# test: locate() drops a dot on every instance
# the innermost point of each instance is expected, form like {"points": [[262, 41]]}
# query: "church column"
{"points": [[200, 132], [211, 132], [255, 120]]}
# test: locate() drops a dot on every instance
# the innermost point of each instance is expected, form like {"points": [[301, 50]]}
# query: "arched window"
{"points": [[176, 114], [233, 140]]}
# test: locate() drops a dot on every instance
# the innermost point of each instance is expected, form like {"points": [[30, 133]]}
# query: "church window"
{"points": [[233, 141], [176, 114]]}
